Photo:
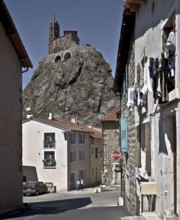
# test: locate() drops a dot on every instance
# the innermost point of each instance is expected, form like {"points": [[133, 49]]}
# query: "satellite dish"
{"points": [[28, 109]]}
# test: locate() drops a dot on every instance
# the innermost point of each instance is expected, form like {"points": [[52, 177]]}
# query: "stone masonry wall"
{"points": [[129, 179], [110, 132]]}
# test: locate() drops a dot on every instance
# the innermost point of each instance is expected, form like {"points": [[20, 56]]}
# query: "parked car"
{"points": [[34, 188]]}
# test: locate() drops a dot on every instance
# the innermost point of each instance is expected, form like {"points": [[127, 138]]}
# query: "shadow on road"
{"points": [[45, 208]]}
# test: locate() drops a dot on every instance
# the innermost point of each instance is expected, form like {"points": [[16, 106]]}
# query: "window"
{"points": [[81, 155], [67, 56], [72, 156], [82, 138], [49, 159], [96, 152], [49, 140], [82, 174], [92, 140], [72, 138]]}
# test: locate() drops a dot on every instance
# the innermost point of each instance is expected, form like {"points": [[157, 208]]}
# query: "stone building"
{"points": [[110, 145], [57, 42], [13, 61], [147, 77]]}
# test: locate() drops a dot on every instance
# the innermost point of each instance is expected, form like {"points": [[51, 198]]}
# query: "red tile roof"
{"points": [[96, 132], [67, 125], [113, 115]]}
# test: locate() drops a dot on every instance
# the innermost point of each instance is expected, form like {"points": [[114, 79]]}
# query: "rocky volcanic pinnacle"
{"points": [[74, 83]]}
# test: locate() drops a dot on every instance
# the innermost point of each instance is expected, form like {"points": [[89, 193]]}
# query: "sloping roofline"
{"points": [[127, 28], [62, 124], [112, 115], [13, 35]]}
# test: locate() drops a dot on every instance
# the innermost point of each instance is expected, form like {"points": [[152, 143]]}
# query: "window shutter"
{"points": [[124, 134]]}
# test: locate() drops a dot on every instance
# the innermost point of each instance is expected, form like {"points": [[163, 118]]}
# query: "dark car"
{"points": [[34, 188]]}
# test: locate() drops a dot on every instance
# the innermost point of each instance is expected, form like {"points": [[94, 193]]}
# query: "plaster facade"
{"points": [[72, 158], [10, 132], [10, 112], [96, 160]]}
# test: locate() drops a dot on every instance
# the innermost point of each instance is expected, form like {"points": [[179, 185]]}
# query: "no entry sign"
{"points": [[116, 155]]}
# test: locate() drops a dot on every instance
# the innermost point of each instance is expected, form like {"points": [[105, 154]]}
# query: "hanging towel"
{"points": [[147, 80], [130, 102]]}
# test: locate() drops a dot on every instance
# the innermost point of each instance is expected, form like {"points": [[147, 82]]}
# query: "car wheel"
{"points": [[37, 193]]}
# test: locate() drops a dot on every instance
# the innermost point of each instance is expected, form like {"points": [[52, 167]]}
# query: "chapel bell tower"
{"points": [[54, 30]]}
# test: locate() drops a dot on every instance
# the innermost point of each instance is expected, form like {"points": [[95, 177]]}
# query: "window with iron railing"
{"points": [[49, 140], [49, 159]]}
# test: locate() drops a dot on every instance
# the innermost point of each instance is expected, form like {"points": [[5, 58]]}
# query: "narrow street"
{"points": [[79, 205]]}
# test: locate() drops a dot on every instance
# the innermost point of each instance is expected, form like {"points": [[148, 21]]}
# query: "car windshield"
{"points": [[28, 184]]}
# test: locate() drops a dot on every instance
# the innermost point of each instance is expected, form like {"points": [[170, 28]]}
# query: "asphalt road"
{"points": [[75, 205]]}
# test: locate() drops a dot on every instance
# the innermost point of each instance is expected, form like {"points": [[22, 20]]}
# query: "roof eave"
{"points": [[127, 29], [133, 5]]}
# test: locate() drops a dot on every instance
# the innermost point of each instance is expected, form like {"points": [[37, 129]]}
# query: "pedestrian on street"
{"points": [[78, 185], [82, 183]]}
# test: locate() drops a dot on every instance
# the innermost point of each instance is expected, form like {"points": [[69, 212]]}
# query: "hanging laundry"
{"points": [[130, 102], [147, 80], [153, 67], [137, 96]]}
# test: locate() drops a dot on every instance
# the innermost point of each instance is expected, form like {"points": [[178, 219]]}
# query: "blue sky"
{"points": [[98, 23]]}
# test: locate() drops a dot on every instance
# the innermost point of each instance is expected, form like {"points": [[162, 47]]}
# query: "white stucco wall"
{"points": [[33, 153], [148, 41], [10, 126]]}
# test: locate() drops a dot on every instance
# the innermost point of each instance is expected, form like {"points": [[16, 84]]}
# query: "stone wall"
{"points": [[128, 168], [110, 136], [70, 39]]}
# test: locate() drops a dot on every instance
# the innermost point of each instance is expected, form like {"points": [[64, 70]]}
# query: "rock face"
{"points": [[74, 83]]}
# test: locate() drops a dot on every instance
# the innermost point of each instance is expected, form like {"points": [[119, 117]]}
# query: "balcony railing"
{"points": [[49, 163]]}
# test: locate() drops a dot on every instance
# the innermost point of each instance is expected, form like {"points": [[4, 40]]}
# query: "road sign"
{"points": [[116, 155]]}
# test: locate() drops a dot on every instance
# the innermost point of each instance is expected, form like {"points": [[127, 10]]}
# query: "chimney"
{"points": [[50, 116], [74, 120]]}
